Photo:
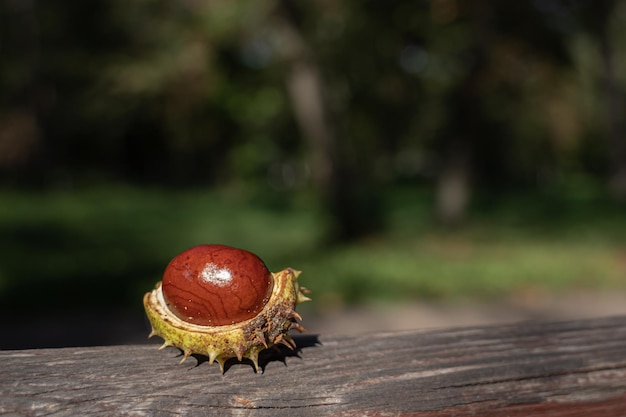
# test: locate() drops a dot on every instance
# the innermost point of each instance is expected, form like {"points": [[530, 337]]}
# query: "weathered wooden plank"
{"points": [[571, 369]]}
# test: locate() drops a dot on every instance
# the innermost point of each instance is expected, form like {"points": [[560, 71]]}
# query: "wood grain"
{"points": [[575, 368]]}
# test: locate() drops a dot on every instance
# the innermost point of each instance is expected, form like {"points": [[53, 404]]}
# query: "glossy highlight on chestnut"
{"points": [[223, 302]]}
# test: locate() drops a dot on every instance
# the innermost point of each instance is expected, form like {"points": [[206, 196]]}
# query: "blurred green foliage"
{"points": [[193, 92]]}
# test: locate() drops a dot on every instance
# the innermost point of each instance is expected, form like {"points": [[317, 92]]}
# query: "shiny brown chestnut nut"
{"points": [[224, 303]]}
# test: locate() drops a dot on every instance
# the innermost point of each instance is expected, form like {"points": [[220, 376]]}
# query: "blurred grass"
{"points": [[105, 247]]}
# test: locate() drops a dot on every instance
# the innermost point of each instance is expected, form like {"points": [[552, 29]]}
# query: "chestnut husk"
{"points": [[242, 340]]}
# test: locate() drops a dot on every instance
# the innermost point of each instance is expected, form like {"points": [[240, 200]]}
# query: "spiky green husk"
{"points": [[239, 340]]}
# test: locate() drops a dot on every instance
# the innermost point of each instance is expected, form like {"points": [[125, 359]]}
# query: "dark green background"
{"points": [[463, 150]]}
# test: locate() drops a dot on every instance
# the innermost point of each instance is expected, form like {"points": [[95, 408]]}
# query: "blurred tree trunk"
{"points": [[20, 102], [458, 141], [337, 173], [615, 100], [453, 183], [305, 89]]}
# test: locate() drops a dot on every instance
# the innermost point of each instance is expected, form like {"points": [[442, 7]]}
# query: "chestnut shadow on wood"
{"points": [[276, 353]]}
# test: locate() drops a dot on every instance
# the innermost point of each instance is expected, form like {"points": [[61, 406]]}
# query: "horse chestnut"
{"points": [[224, 303], [214, 285]]}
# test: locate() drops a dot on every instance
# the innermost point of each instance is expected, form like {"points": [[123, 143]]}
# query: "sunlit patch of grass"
{"points": [[453, 267]]}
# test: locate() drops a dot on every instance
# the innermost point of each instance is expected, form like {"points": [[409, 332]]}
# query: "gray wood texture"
{"points": [[575, 368]]}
